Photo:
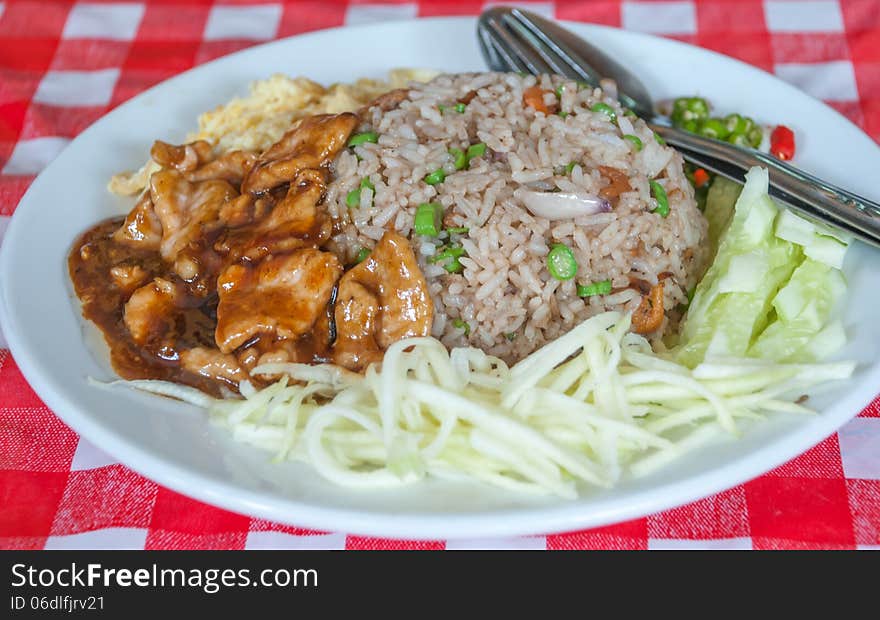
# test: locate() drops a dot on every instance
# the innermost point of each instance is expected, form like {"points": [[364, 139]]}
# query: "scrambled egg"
{"points": [[255, 122]]}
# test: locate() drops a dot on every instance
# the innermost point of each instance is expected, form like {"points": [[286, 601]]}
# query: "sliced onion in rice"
{"points": [[562, 205]]}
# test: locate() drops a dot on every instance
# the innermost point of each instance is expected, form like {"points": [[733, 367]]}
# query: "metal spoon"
{"points": [[515, 40]]}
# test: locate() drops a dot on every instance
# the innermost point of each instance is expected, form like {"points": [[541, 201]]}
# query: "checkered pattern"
{"points": [[64, 64]]}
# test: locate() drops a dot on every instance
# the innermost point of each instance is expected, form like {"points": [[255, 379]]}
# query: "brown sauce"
{"points": [[91, 259]]}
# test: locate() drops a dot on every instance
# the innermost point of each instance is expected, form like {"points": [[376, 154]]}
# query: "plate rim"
{"points": [[523, 521]]}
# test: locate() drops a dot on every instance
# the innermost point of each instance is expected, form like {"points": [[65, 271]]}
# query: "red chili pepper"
{"points": [[701, 177], [782, 143]]}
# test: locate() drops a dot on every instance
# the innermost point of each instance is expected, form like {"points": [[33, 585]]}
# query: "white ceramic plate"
{"points": [[175, 445]]}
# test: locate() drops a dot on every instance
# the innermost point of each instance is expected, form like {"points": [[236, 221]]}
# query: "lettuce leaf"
{"points": [[724, 316], [803, 308], [772, 287]]}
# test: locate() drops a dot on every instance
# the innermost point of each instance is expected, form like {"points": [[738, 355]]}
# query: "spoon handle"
{"points": [[789, 184]]}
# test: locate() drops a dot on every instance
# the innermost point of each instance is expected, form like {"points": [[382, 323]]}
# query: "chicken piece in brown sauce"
{"points": [[183, 158], [295, 221], [151, 310], [142, 229], [164, 319], [232, 167], [213, 365], [312, 144], [282, 296], [129, 277], [380, 301], [187, 211]]}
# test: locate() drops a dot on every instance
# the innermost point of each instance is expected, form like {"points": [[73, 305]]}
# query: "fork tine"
{"points": [[554, 63], [511, 47], [569, 64], [585, 60], [497, 57], [512, 61]]}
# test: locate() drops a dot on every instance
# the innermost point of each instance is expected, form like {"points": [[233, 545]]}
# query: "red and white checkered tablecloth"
{"points": [[64, 64]]}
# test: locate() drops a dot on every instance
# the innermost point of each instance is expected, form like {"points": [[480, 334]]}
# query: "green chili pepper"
{"points": [[713, 128], [755, 136], [679, 106], [739, 140], [685, 109], [743, 131], [735, 124], [691, 125], [698, 107]]}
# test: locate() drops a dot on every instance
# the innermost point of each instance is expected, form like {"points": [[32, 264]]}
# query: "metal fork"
{"points": [[515, 40]]}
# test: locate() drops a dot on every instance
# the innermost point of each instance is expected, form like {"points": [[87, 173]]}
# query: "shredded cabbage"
{"points": [[588, 408]]}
